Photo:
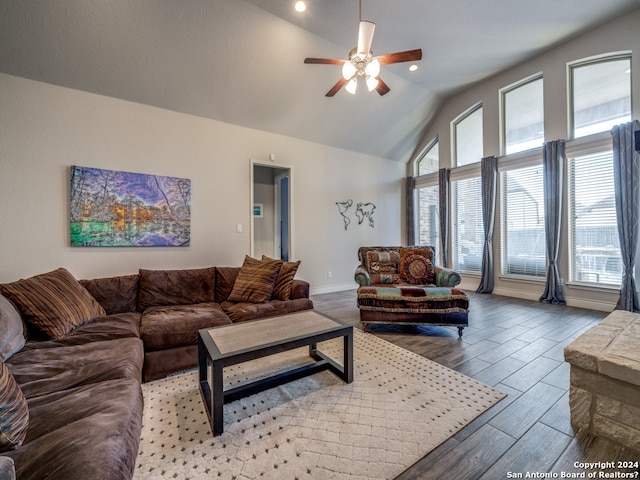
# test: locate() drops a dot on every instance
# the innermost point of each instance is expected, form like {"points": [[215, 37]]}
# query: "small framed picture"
{"points": [[257, 210]]}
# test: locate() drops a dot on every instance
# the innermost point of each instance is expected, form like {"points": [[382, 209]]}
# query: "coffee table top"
{"points": [[254, 334]]}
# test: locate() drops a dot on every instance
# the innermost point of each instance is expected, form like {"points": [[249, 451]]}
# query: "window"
{"points": [[468, 231], [601, 95], [430, 161], [594, 247], [467, 132], [523, 238], [523, 116], [429, 218]]}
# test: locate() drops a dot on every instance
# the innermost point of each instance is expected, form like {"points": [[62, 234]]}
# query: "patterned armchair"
{"points": [[402, 285]]}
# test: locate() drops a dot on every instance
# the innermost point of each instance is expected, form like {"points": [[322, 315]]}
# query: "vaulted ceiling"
{"points": [[241, 61]]}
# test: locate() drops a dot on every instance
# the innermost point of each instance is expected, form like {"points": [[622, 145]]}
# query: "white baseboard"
{"points": [[341, 287], [591, 304], [513, 292], [599, 305]]}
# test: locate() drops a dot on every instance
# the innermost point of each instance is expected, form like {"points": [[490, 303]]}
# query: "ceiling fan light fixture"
{"points": [[352, 86], [362, 63], [373, 68], [413, 68], [348, 70], [372, 83]]}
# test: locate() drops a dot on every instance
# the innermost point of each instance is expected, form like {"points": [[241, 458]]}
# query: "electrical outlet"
{"points": [[329, 274]]}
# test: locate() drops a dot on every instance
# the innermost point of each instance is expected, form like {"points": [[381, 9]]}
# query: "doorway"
{"points": [[271, 219]]}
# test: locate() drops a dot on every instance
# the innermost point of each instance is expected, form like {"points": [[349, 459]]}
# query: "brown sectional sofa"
{"points": [[174, 304], [81, 390]]}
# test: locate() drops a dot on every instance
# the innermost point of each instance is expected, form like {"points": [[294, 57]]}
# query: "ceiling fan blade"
{"points": [[336, 88], [398, 57], [365, 36], [382, 87], [324, 61]]}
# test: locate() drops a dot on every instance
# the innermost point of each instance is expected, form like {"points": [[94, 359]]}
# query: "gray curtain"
{"points": [[626, 177], [411, 217], [553, 166], [489, 172], [444, 175]]}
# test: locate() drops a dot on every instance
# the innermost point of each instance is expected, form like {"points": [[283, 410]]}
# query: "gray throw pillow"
{"points": [[11, 329]]}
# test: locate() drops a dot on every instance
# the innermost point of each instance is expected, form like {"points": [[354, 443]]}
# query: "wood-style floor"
{"points": [[516, 346]]}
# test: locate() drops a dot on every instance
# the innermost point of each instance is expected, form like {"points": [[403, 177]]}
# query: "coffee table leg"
{"points": [[348, 357], [313, 351], [217, 399], [202, 362]]}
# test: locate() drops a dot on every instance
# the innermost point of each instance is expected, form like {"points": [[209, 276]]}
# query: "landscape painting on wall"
{"points": [[121, 209]]}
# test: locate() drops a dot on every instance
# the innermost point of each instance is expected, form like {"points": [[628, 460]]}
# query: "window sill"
{"points": [[467, 273], [593, 287]]}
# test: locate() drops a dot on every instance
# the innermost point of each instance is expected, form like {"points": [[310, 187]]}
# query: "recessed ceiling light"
{"points": [[300, 6], [413, 68]]}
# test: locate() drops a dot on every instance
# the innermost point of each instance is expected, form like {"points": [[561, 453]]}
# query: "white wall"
{"points": [[44, 129], [622, 34]]}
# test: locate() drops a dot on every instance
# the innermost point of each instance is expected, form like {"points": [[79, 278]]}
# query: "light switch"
{"points": [[239, 228]]}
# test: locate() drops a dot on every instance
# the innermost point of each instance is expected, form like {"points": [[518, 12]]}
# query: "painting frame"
{"points": [[258, 210], [112, 208]]}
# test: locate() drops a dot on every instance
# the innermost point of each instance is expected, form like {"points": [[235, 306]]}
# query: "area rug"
{"points": [[399, 407]]}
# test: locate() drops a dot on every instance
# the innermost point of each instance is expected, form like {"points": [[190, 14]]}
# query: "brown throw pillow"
{"points": [[14, 412], [54, 302], [176, 287], [255, 280], [284, 280], [383, 267], [416, 265]]}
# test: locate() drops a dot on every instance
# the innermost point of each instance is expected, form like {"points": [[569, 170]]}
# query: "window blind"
{"points": [[523, 232], [594, 247], [468, 231]]}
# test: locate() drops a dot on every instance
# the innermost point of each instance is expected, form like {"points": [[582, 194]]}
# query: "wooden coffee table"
{"points": [[232, 344]]}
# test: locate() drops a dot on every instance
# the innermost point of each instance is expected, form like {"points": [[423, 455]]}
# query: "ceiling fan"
{"points": [[362, 63]]}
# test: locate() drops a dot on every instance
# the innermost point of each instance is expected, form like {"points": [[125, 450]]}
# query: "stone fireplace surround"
{"points": [[604, 394]]}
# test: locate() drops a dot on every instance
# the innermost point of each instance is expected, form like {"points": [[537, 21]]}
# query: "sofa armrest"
{"points": [[361, 276], [445, 277], [299, 289], [7, 468]]}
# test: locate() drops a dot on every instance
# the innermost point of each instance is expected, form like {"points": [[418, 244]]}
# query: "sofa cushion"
{"points": [[115, 294], [12, 337], [255, 281], [89, 432], [225, 279], [175, 287], [176, 325], [54, 302], [109, 327], [243, 311], [416, 265], [284, 280], [383, 266], [46, 370], [412, 299], [14, 412]]}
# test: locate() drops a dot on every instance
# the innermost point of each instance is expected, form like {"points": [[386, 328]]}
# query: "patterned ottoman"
{"points": [[413, 305]]}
